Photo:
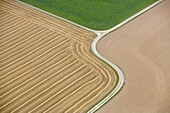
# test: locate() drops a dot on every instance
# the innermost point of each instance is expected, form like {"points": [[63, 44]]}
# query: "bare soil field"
{"points": [[142, 49], [46, 64]]}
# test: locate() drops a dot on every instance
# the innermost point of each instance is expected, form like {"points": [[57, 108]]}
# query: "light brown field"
{"points": [[46, 64], [142, 49]]}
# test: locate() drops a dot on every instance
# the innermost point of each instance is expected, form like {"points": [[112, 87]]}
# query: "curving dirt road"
{"points": [[142, 49]]}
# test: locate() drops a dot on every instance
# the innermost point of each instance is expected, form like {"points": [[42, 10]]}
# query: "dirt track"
{"points": [[142, 49], [47, 65]]}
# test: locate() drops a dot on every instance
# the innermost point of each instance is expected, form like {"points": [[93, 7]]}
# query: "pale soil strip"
{"points": [[3, 12], [18, 34], [57, 64], [17, 44], [19, 28], [18, 50], [43, 81], [74, 97], [38, 83], [99, 87], [10, 26], [96, 64], [54, 23], [70, 94], [22, 41], [92, 99], [100, 84], [94, 90], [108, 77], [7, 20], [76, 74], [70, 84], [34, 64], [15, 28], [56, 94], [57, 17], [4, 18], [9, 23], [31, 52], [30, 60], [61, 25], [101, 66], [35, 68], [81, 88], [35, 77], [38, 74], [86, 90], [65, 32], [103, 75], [28, 53]]}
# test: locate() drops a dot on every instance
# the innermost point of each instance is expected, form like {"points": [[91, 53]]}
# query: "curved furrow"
{"points": [[47, 65]]}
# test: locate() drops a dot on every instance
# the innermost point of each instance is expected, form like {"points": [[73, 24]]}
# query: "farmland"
{"points": [[94, 14], [142, 49], [47, 65]]}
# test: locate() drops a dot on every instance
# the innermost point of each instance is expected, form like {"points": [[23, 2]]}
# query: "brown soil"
{"points": [[46, 64], [142, 49]]}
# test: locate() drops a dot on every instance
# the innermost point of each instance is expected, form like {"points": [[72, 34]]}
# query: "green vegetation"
{"points": [[94, 14]]}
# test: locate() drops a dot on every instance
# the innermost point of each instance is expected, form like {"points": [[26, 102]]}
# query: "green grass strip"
{"points": [[94, 14]]}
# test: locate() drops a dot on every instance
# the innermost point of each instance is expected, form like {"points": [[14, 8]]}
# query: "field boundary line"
{"points": [[120, 73], [100, 35]]}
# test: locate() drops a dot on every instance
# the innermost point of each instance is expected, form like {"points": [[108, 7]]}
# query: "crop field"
{"points": [[94, 14], [142, 50], [46, 64]]}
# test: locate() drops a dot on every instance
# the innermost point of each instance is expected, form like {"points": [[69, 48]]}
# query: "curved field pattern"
{"points": [[47, 65], [142, 49]]}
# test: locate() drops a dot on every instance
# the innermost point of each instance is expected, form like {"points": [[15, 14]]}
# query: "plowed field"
{"points": [[46, 64], [142, 49]]}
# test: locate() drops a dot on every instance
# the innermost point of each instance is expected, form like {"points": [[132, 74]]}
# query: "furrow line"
{"points": [[35, 86], [6, 18], [2, 11], [25, 39], [55, 95], [95, 90], [85, 97], [70, 94], [45, 91], [6, 83], [52, 23], [9, 26], [11, 23], [4, 15], [32, 59], [31, 52], [22, 33], [38, 74], [14, 28], [88, 58], [19, 28], [103, 68]]}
